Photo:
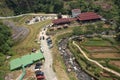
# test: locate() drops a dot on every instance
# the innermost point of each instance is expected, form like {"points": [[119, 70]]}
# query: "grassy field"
{"points": [[26, 45]]}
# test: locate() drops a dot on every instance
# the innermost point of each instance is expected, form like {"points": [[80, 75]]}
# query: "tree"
{"points": [[77, 31], [58, 5], [5, 39]]}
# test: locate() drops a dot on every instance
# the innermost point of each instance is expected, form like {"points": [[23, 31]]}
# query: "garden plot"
{"points": [[115, 63], [99, 42], [99, 49], [105, 55]]}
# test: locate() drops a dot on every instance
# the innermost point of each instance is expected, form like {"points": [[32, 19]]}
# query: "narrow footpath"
{"points": [[93, 61], [47, 69]]}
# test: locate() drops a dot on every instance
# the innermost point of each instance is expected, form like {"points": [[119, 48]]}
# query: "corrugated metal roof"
{"points": [[25, 60], [88, 16], [16, 63], [63, 20]]}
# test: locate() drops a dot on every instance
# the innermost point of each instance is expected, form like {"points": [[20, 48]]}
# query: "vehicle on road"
{"points": [[40, 75], [41, 49], [38, 66], [50, 46]]}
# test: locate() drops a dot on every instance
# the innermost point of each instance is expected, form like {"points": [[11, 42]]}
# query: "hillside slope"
{"points": [[15, 7]]}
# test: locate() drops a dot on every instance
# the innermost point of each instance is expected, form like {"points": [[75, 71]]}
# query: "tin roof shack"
{"points": [[63, 21]]}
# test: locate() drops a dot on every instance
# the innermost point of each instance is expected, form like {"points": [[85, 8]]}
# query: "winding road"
{"points": [[95, 62], [32, 14], [47, 69]]}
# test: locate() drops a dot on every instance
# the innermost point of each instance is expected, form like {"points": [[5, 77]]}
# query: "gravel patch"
{"points": [[18, 32]]}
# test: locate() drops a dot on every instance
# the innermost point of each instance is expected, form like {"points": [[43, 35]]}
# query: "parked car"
{"points": [[38, 66], [49, 41], [50, 46], [39, 73], [48, 38], [41, 49], [40, 77]]}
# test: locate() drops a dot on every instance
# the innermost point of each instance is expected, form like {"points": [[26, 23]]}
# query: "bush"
{"points": [[113, 67], [77, 31]]}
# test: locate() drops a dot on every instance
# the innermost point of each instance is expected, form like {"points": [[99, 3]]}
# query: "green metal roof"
{"points": [[16, 63], [37, 56], [26, 60]]}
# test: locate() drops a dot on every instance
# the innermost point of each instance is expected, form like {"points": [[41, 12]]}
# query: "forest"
{"points": [[107, 9], [5, 39], [26, 6]]}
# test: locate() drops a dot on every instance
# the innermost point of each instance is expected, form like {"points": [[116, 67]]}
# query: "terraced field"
{"points": [[105, 55]]}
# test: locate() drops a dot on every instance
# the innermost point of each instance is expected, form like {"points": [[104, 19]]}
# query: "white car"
{"points": [[41, 50]]}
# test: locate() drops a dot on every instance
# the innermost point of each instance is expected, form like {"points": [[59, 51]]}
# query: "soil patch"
{"points": [[105, 55], [100, 49], [104, 5], [116, 63], [13, 75], [30, 73], [18, 32]]}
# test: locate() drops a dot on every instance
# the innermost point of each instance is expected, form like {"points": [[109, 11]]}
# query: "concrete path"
{"points": [[93, 61], [47, 69]]}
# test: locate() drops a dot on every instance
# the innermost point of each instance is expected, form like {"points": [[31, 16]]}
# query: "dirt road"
{"points": [[34, 14], [48, 70], [105, 68]]}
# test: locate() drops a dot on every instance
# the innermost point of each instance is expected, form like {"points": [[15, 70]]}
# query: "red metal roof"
{"points": [[40, 77], [88, 16], [63, 20]]}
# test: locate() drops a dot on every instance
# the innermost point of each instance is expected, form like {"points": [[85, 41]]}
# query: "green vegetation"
{"points": [[15, 7], [70, 74], [96, 42], [4, 9], [107, 9], [117, 2], [26, 45], [78, 31], [20, 48], [26, 6], [89, 29], [85, 65], [5, 41], [89, 67], [5, 45], [103, 42]]}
